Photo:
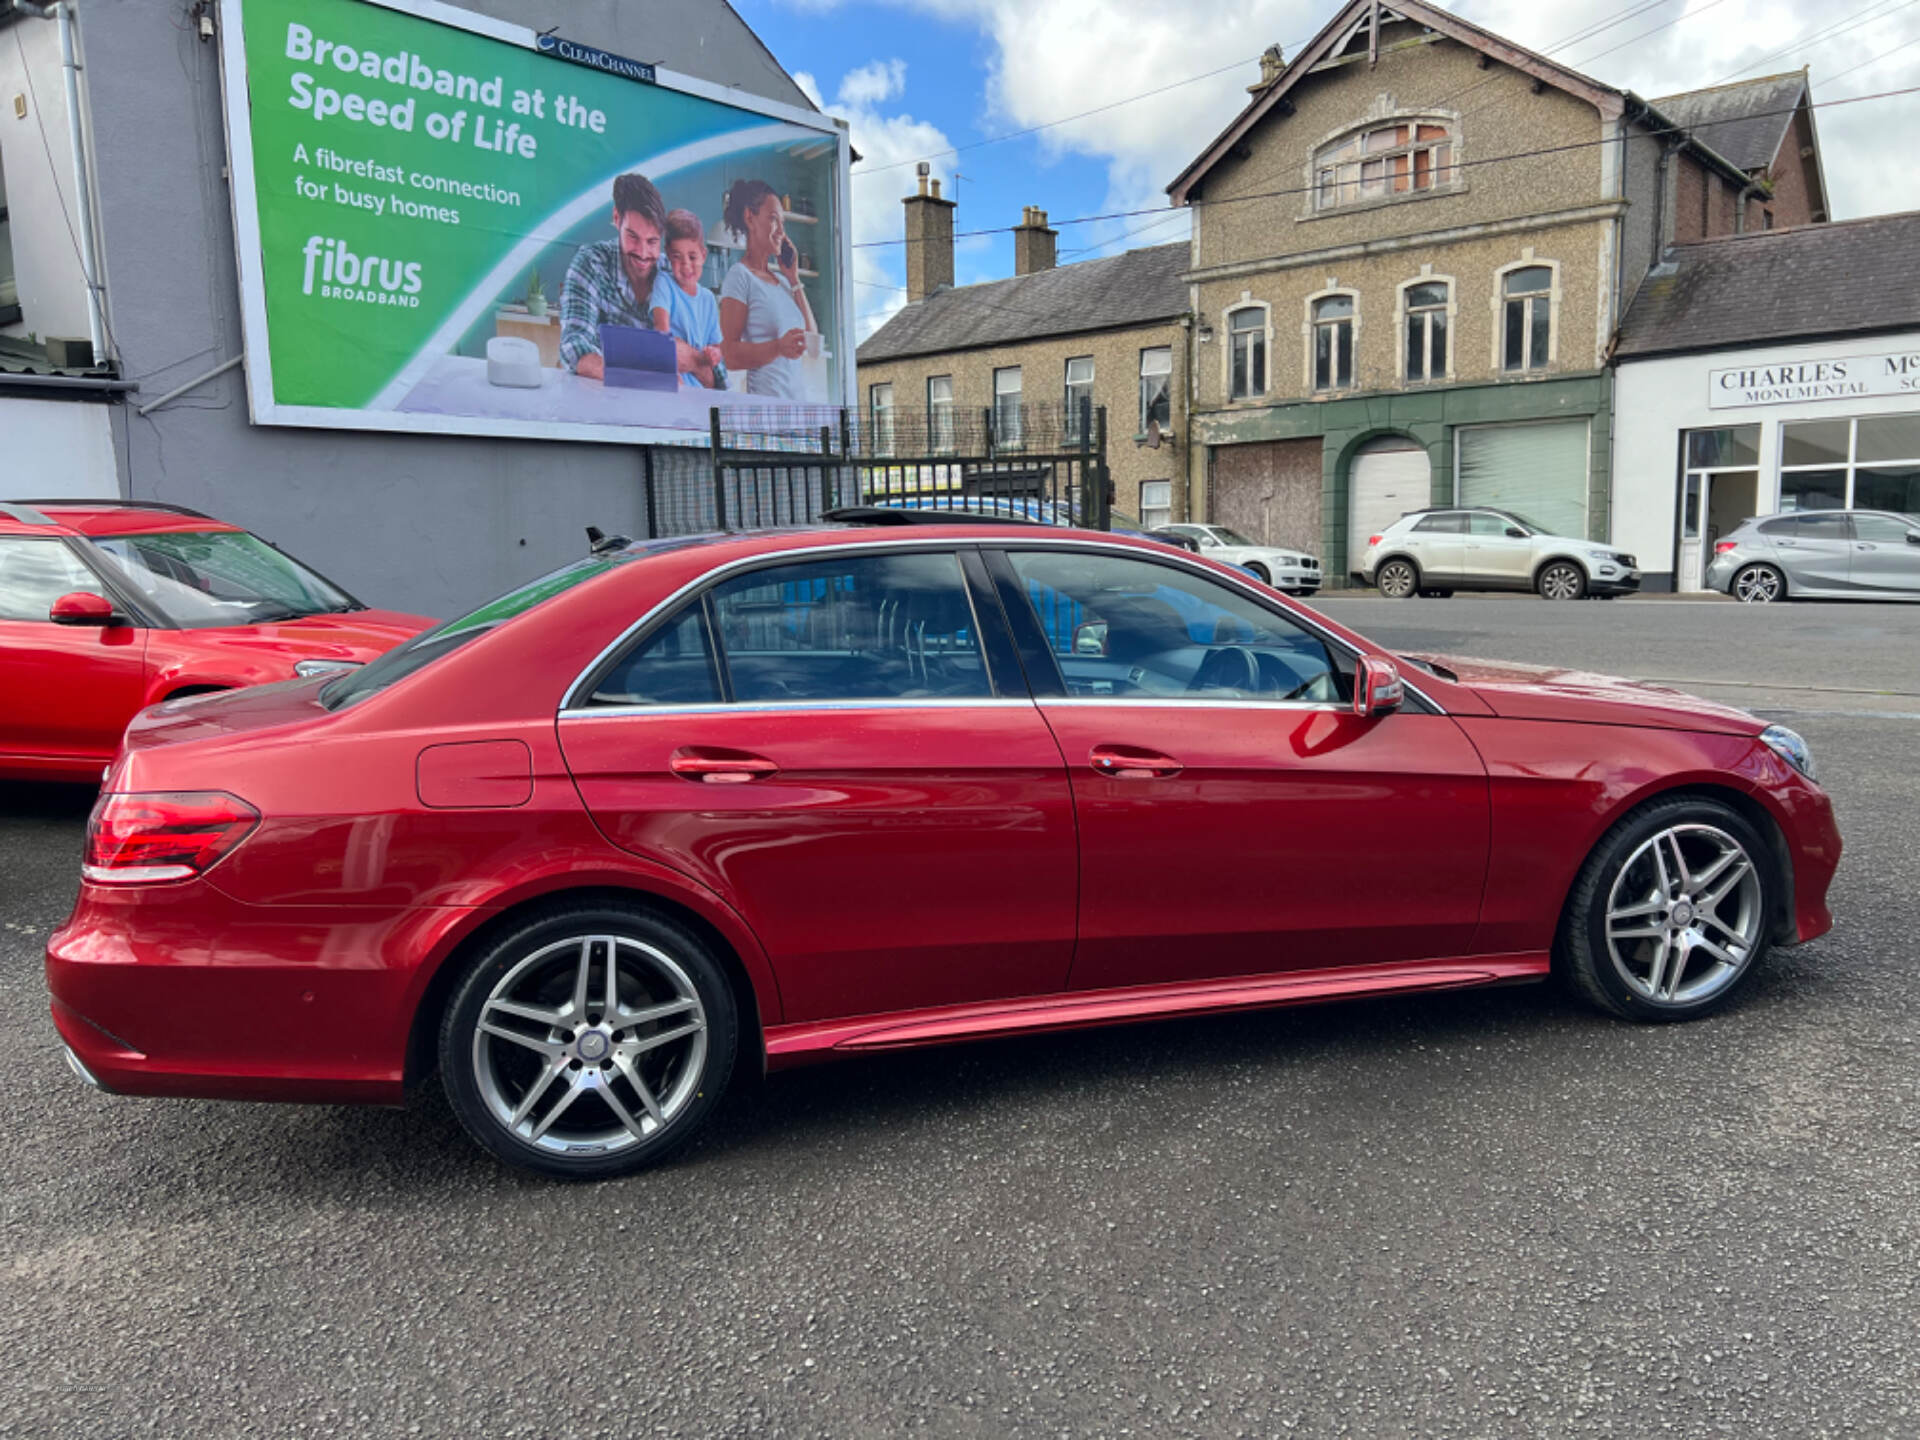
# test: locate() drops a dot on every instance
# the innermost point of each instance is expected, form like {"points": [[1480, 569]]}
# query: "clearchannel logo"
{"points": [[335, 273]]}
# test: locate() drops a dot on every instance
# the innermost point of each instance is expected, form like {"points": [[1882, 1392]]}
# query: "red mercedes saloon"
{"points": [[770, 798], [108, 606]]}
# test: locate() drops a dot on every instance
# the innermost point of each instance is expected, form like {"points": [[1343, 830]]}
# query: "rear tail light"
{"points": [[1373, 540], [171, 835], [1721, 547]]}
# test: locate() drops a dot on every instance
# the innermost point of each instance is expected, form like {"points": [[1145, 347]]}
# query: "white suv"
{"points": [[1443, 550], [1288, 570]]}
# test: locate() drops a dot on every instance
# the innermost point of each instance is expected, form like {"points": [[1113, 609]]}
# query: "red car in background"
{"points": [[792, 795], [107, 607]]}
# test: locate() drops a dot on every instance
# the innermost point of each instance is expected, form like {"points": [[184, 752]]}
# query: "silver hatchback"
{"points": [[1819, 554]]}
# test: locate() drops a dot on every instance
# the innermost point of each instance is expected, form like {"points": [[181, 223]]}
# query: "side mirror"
{"points": [[83, 607], [1514, 532], [1913, 537], [1090, 638], [1376, 687]]}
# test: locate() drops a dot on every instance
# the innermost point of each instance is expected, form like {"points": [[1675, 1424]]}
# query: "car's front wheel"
{"points": [[1397, 579], [589, 1042], [1260, 572], [1562, 580], [1670, 913], [1759, 585]]}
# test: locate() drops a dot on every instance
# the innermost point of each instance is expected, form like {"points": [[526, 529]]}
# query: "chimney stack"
{"points": [[929, 239], [1033, 242], [1273, 64]]}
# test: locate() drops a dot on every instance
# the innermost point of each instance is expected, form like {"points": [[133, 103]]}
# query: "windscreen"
{"points": [[200, 579]]}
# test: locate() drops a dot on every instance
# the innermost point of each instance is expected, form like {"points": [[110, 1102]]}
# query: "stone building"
{"points": [[1410, 253], [1059, 341]]}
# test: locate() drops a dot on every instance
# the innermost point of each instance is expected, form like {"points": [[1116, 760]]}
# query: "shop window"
{"points": [[1247, 350], [1006, 407], [880, 418], [1867, 464], [1079, 399], [1527, 318], [1387, 160], [1156, 386], [940, 414], [1156, 503], [1333, 342], [1426, 307]]}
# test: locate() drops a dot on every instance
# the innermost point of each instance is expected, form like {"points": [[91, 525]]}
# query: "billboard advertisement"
{"points": [[450, 224]]}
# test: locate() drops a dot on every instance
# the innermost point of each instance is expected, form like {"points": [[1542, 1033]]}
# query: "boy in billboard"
{"points": [[682, 307], [610, 282]]}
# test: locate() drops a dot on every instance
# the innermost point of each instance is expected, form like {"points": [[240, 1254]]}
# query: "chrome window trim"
{"points": [[1171, 557], [599, 712], [1167, 702]]}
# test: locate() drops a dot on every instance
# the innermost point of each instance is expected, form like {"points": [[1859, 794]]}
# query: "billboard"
{"points": [[449, 224]]}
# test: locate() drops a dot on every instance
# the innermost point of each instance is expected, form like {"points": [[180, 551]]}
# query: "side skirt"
{"points": [[1077, 1009]]}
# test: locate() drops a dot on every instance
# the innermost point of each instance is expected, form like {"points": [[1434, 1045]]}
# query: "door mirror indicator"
{"points": [[1376, 687], [1090, 638], [83, 607]]}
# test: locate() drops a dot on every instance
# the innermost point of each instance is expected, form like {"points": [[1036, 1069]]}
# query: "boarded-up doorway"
{"points": [[1270, 492]]}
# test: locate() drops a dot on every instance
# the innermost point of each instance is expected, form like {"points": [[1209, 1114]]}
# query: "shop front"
{"points": [[1707, 439]]}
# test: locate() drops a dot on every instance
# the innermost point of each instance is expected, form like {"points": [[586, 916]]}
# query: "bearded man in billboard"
{"points": [[610, 282]]}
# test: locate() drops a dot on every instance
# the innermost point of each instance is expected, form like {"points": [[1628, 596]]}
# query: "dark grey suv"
{"points": [[1819, 554]]}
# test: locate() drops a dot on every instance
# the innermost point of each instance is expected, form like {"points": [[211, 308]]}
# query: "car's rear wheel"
{"points": [[1260, 572], [1669, 914], [1759, 585], [1397, 579], [590, 1042], [1562, 580]]}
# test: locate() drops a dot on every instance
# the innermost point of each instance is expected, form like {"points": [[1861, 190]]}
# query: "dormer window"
{"points": [[1384, 161]]}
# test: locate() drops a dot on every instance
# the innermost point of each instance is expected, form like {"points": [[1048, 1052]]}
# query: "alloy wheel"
{"points": [[1396, 580], [1757, 585], [1561, 581], [591, 1044], [1685, 915]]}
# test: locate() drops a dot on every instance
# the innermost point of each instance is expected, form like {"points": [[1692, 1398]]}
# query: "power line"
{"points": [[1654, 132]]}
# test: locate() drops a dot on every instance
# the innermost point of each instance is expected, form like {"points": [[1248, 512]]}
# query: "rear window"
{"points": [[429, 645]]}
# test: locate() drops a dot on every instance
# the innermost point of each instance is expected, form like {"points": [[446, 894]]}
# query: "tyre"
{"points": [[1669, 915], [1562, 580], [1759, 585], [589, 1042], [1397, 579], [1260, 572]]}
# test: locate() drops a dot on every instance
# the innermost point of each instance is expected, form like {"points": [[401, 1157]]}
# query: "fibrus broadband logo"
{"points": [[339, 274]]}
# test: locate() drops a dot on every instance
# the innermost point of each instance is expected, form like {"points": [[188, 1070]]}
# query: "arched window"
{"points": [[1426, 309], [1247, 352], [1372, 164], [1527, 318], [1333, 342]]}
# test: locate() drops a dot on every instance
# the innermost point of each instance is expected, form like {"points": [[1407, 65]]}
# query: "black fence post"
{"points": [[719, 474], [992, 438], [846, 470], [1099, 486], [646, 478]]}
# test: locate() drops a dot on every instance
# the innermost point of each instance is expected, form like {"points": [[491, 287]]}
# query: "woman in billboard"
{"points": [[766, 324]]}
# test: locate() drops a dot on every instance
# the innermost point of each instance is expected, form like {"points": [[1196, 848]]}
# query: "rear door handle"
{"points": [[713, 766], [1128, 762]]}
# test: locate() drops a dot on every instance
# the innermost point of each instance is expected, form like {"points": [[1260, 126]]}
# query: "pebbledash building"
{"points": [[1772, 371]]}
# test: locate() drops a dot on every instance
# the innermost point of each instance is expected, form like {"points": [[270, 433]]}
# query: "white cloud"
{"points": [[873, 82]]}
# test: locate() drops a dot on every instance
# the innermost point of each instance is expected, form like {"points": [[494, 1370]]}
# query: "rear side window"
{"points": [[1443, 525], [853, 627], [1784, 529], [1825, 527], [674, 665], [34, 574]]}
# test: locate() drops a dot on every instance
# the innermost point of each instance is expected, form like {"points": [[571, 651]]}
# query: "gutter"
{"points": [[71, 383]]}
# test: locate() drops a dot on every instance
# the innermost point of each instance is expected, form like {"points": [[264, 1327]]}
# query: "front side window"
{"points": [[35, 573], [1427, 331], [1006, 406], [204, 578], [880, 413], [1156, 503], [940, 414], [1126, 629], [1490, 526], [1079, 399], [1527, 318], [1400, 159], [1884, 529], [1247, 362], [1156, 386], [849, 628], [1333, 342]]}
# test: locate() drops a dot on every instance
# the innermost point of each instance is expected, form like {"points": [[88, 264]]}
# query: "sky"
{"points": [[918, 78]]}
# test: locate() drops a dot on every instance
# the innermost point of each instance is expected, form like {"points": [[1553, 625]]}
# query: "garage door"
{"points": [[1537, 471], [1389, 477]]}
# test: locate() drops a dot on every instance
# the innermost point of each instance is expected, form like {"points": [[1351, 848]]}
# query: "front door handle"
{"points": [[1128, 762], [714, 766]]}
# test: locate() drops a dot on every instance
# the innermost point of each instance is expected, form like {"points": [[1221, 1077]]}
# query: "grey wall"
{"points": [[427, 524], [1640, 247]]}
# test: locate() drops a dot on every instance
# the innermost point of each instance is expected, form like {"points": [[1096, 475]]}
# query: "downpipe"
{"points": [[61, 12]]}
